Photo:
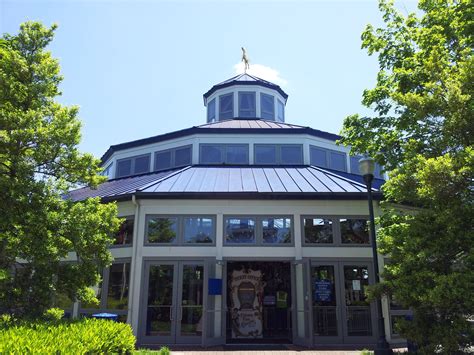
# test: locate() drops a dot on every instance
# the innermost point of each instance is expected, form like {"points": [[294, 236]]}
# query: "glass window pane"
{"points": [[211, 154], [324, 300], [125, 233], [162, 229], [265, 154], [318, 157], [240, 230], [354, 231], [237, 154], [119, 277], [198, 230], [182, 156], [247, 104], [160, 300], [337, 161], [276, 230], [124, 167], [355, 165], [318, 230], [281, 111], [226, 106], [211, 110], [142, 165], [356, 279], [163, 160], [267, 105], [291, 155]]}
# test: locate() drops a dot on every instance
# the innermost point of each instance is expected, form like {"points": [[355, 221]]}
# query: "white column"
{"points": [[300, 300], [136, 272]]}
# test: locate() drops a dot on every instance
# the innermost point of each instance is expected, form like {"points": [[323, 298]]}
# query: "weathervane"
{"points": [[245, 59]]}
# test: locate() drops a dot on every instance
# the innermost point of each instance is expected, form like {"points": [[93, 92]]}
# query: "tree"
{"points": [[39, 163], [422, 132]]}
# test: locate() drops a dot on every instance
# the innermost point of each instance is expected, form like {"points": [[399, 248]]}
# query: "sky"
{"points": [[139, 68]]}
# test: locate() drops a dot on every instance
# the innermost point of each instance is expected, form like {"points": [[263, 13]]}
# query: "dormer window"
{"points": [[226, 106], [267, 106], [211, 111], [247, 104]]}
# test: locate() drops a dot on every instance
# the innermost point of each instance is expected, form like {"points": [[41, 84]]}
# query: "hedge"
{"points": [[67, 337]]}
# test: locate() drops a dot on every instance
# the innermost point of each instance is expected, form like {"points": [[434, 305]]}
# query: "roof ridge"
{"points": [[164, 178]]}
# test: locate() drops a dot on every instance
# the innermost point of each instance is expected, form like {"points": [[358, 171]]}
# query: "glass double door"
{"points": [[340, 310], [174, 302]]}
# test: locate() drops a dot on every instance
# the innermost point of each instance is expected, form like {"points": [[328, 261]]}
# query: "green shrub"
{"points": [[165, 351], [67, 337], [53, 314], [366, 352]]}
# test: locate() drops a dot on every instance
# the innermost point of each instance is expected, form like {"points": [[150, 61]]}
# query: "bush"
{"points": [[71, 337], [53, 314]]}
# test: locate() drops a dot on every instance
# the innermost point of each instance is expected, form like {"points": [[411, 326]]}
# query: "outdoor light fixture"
{"points": [[367, 168]]}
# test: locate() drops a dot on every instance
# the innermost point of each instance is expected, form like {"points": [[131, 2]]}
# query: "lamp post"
{"points": [[366, 168]]}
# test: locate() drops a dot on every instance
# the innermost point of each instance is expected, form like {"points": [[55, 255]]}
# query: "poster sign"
{"points": [[323, 291], [246, 290], [356, 285]]}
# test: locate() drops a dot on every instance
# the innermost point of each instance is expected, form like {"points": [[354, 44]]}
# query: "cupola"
{"points": [[245, 96]]}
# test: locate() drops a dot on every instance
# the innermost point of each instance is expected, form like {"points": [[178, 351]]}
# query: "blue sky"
{"points": [[139, 68]]}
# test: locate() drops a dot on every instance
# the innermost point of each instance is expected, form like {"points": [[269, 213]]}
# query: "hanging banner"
{"points": [[246, 289]]}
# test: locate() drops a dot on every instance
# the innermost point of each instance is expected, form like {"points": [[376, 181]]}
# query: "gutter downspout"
{"points": [[131, 292]]}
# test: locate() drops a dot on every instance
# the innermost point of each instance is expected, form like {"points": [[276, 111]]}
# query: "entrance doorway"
{"points": [[173, 309], [340, 310], [258, 302]]}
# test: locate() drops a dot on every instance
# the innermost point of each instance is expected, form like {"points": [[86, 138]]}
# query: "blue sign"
{"points": [[215, 287], [323, 290]]}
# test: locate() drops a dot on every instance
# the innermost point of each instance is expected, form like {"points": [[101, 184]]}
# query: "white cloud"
{"points": [[261, 71]]}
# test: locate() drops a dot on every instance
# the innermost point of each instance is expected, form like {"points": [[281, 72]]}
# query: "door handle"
{"points": [[171, 313], [180, 313]]}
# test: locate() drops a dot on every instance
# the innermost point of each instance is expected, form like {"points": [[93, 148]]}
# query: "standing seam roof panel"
{"points": [[235, 180], [313, 180], [274, 181], [331, 185], [300, 181], [287, 180], [209, 180], [261, 180]]}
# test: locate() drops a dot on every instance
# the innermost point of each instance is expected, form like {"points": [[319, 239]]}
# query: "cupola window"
{"points": [[281, 111], [133, 166], [211, 111], [247, 104], [267, 106], [226, 106]]}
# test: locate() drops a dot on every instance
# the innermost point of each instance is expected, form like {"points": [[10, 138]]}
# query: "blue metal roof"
{"points": [[245, 79], [237, 182]]}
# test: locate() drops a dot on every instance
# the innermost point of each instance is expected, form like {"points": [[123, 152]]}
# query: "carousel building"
{"points": [[246, 229]]}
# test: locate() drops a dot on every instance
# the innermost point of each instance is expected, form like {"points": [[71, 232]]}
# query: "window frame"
{"points": [[328, 153], [281, 105], [220, 117], [239, 98], [105, 292], [258, 230], [119, 246], [223, 148], [173, 157], [262, 111], [377, 169], [211, 118], [180, 241], [132, 165], [336, 228], [278, 153]]}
